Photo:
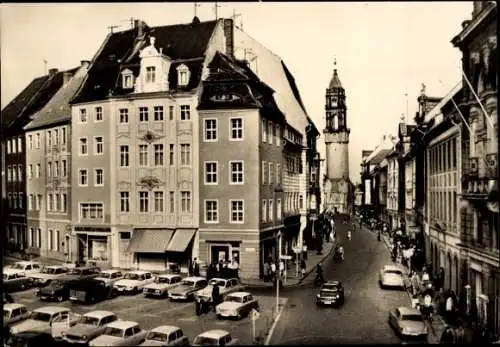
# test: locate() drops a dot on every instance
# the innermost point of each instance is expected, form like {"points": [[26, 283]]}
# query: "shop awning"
{"points": [[181, 240], [150, 240]]}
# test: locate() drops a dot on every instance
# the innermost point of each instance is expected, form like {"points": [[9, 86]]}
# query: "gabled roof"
{"points": [[179, 42]]}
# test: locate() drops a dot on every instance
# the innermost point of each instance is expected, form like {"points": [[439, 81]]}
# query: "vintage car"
{"points": [[49, 273], [30, 339], [216, 337], [161, 285], [78, 273], [166, 335], [331, 293], [226, 286], [15, 280], [110, 276], [186, 288], [134, 281], [14, 313], [391, 276], [90, 290], [408, 322], [28, 267], [120, 333], [41, 319], [236, 305], [57, 290], [90, 326]]}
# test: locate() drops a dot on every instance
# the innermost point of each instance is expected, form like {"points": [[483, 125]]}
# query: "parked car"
{"points": [[120, 333], [110, 276], [83, 272], [166, 335], [216, 337], [408, 322], [14, 313], [391, 276], [236, 305], [41, 319], [15, 280], [134, 281], [30, 339], [28, 267], [57, 290], [161, 285], [331, 293], [49, 273], [90, 290], [63, 323], [187, 287], [226, 286], [91, 325]]}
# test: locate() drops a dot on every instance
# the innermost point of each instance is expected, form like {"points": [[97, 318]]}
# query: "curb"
{"points": [[270, 332]]}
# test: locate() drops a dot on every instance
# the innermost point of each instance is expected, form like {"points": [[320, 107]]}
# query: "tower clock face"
{"points": [[334, 101]]}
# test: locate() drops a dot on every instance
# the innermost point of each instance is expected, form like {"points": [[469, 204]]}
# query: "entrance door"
{"points": [[219, 252]]}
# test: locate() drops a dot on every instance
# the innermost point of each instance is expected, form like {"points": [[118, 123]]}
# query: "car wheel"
{"points": [[219, 316], [60, 298]]}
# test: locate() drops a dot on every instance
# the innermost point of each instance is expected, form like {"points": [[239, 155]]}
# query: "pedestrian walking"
{"points": [[215, 296], [282, 268], [448, 336], [449, 309], [273, 271], [303, 267], [196, 267]]}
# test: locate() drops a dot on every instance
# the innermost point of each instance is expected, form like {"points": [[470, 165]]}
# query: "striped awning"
{"points": [[181, 240], [150, 240]]}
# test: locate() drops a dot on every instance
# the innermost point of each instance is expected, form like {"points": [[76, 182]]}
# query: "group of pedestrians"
{"points": [[272, 270]]}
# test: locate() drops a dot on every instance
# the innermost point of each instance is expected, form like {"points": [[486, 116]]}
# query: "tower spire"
{"points": [[335, 81]]}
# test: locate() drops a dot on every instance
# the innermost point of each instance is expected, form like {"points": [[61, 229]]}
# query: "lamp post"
{"points": [[278, 274]]}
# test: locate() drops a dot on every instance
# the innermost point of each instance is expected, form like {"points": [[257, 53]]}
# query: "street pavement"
{"points": [[363, 317]]}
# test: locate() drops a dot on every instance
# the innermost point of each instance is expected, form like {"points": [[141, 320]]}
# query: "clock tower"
{"points": [[338, 187]]}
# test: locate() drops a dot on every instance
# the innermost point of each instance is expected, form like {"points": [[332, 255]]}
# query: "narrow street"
{"points": [[363, 318]]}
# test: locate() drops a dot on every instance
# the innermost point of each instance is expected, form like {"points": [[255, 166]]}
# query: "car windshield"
{"points": [[412, 317], [18, 266], [104, 275], [188, 283], [6, 314], [328, 291], [90, 320], [394, 272], [330, 287], [41, 316], [216, 282], [75, 272], [162, 280], [153, 335], [113, 332], [132, 276], [231, 298], [205, 341]]}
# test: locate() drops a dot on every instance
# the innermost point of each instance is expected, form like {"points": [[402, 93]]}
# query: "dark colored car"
{"points": [[57, 290], [90, 290], [331, 293], [30, 339], [79, 273]]}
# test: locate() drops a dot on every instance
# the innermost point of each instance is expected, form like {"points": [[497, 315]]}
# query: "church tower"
{"points": [[337, 185]]}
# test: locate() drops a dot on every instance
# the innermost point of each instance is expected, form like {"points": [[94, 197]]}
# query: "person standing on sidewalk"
{"points": [[273, 271], [303, 267]]}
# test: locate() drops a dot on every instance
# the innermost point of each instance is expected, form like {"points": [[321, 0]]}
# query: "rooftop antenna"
{"points": [[216, 10], [45, 62], [196, 5], [112, 27], [236, 15]]}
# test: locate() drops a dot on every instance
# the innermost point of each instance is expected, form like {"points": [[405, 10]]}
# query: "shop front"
{"points": [[290, 235], [93, 244]]}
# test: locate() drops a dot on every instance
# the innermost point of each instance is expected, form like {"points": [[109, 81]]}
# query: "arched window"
{"points": [[335, 122]]}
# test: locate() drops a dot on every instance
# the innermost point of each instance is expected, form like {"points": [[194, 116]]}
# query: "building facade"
{"points": [[392, 188]]}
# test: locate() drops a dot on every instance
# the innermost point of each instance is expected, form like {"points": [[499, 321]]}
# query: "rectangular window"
{"points": [[159, 201], [31, 202], [270, 132], [185, 112], [83, 115], [264, 130], [50, 202], [124, 156], [56, 137], [278, 209], [99, 145], [20, 175], [185, 154], [49, 139], [271, 210], [171, 112], [49, 169], [98, 114], [51, 240], [264, 172], [171, 155], [143, 155], [64, 168], [144, 202], [39, 238], [210, 129], [158, 113], [186, 202], [92, 210], [63, 136], [37, 141], [21, 200], [278, 174], [83, 177], [56, 168], [30, 141], [172, 201], [9, 146], [38, 202], [211, 211], [57, 198], [301, 202], [237, 211], [57, 240], [64, 202], [237, 175], [123, 115], [143, 114], [124, 202], [278, 135], [271, 173], [150, 74], [264, 210], [211, 172], [19, 144], [158, 148], [83, 146], [236, 128], [99, 177]]}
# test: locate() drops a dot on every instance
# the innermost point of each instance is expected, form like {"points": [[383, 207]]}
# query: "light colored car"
{"points": [[134, 281], [14, 313], [216, 337], [237, 305], [28, 267], [187, 287], [120, 333], [391, 276], [49, 273], [41, 319], [14, 280], [226, 286], [161, 285], [166, 335], [408, 322], [91, 325], [110, 276]]}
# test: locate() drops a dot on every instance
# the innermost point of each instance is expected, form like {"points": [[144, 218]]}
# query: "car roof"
{"points": [[139, 272], [99, 314], [51, 309], [332, 283], [10, 271], [392, 267], [12, 306], [215, 333], [165, 329], [110, 271], [122, 324], [26, 262], [239, 294], [54, 266], [220, 279], [168, 276], [408, 310], [194, 278]]}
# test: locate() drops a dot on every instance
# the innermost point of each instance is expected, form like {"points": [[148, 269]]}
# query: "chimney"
{"points": [[140, 26], [465, 23], [52, 72], [66, 76], [85, 63], [229, 35]]}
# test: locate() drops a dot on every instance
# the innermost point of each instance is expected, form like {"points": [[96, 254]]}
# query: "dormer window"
{"points": [[127, 79], [183, 75], [150, 74]]}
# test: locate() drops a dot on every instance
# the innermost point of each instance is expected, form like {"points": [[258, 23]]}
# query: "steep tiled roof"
{"points": [[58, 109], [179, 42], [335, 81]]}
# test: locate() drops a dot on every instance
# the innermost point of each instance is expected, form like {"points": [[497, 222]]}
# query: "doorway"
{"points": [[219, 252]]}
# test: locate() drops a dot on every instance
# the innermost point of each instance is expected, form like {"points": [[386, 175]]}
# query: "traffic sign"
{"points": [[255, 314], [286, 257]]}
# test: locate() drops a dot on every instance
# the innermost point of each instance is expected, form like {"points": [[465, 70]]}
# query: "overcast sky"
{"points": [[383, 50]]}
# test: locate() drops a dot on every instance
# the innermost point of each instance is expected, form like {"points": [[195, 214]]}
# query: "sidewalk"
{"points": [[292, 280], [10, 259]]}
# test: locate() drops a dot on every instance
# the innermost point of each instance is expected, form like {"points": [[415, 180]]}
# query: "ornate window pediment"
{"points": [[183, 75], [149, 182], [127, 79]]}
